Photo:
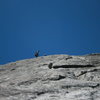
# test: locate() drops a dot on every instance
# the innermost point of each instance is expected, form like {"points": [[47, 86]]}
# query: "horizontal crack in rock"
{"points": [[84, 72], [71, 66], [58, 78], [81, 85]]}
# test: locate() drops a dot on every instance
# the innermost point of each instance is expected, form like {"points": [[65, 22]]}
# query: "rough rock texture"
{"points": [[55, 77]]}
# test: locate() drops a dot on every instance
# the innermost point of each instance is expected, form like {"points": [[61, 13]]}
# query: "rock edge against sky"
{"points": [[54, 77]]}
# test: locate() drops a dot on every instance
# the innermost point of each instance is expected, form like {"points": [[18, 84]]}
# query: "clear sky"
{"points": [[51, 26]]}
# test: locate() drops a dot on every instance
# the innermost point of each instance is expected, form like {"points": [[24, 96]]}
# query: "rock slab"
{"points": [[53, 77]]}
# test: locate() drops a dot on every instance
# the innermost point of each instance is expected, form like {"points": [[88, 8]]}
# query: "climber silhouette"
{"points": [[36, 54]]}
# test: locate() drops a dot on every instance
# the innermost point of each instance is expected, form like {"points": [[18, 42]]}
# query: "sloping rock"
{"points": [[55, 77]]}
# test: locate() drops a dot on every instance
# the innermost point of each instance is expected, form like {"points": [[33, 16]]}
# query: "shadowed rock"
{"points": [[50, 65]]}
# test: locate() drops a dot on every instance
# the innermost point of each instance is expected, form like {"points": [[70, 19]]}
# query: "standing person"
{"points": [[36, 54]]}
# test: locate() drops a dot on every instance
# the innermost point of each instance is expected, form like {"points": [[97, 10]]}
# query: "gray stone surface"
{"points": [[54, 77]]}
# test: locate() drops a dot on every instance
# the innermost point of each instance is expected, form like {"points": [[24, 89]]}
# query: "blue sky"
{"points": [[51, 26]]}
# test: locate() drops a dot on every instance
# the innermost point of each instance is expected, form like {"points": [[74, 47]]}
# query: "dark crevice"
{"points": [[93, 70], [44, 92], [95, 86], [61, 77], [58, 78], [84, 72], [80, 85], [72, 66], [12, 69], [40, 93], [69, 58]]}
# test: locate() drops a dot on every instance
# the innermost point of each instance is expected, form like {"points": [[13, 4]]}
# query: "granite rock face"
{"points": [[54, 77]]}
